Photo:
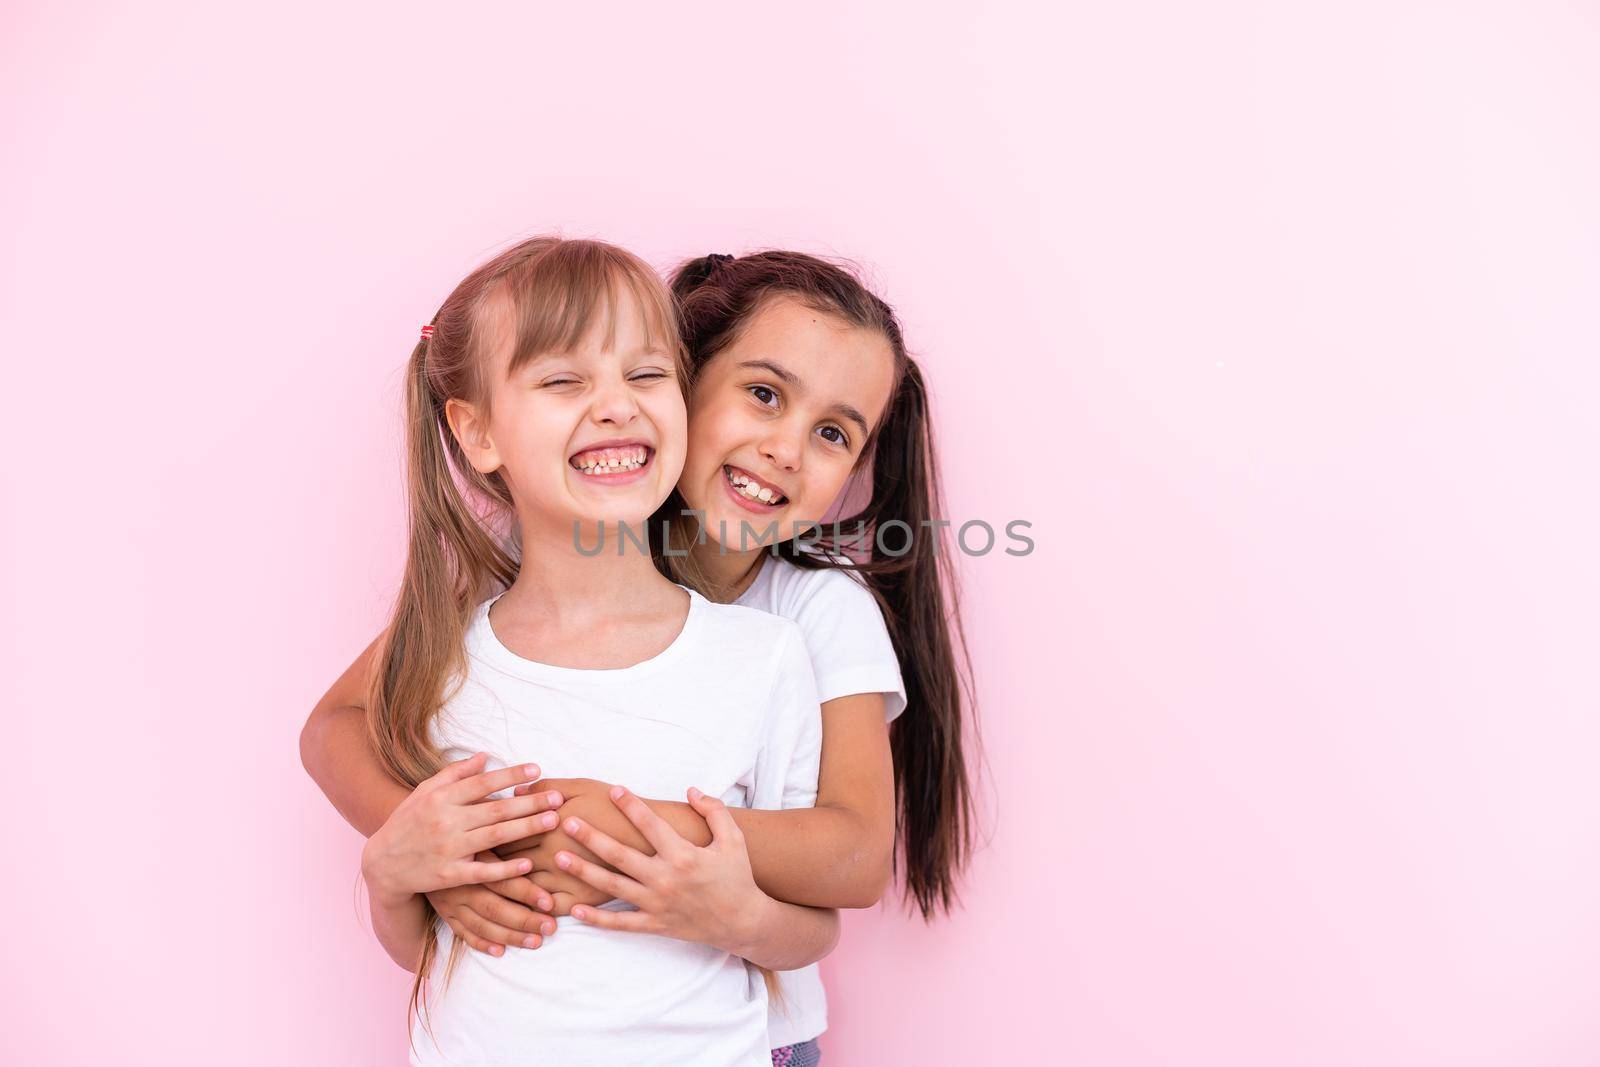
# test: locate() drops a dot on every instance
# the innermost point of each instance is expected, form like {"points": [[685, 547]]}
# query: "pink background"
{"points": [[1277, 321]]}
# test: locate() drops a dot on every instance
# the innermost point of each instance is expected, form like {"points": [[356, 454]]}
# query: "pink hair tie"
{"points": [[427, 332]]}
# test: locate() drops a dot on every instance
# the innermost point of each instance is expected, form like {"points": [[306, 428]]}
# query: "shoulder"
{"points": [[795, 587], [763, 649], [824, 601], [741, 626], [845, 632]]}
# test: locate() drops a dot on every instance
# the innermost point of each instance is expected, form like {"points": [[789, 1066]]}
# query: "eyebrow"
{"points": [[786, 376], [792, 380]]}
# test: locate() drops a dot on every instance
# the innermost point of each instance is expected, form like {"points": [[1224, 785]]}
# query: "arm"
{"points": [[337, 754], [400, 923], [432, 843], [834, 855], [694, 893], [838, 853], [789, 936]]}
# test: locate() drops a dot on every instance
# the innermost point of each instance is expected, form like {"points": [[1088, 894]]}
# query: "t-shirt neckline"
{"points": [[491, 649]]}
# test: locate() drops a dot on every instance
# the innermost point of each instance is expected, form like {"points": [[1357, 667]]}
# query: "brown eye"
{"points": [[763, 394], [838, 437]]}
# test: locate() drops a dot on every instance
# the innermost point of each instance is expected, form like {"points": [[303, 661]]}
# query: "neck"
{"points": [[561, 583], [729, 573]]}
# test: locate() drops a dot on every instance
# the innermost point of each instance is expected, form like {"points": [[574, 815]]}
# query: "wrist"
{"points": [[751, 921], [380, 886]]}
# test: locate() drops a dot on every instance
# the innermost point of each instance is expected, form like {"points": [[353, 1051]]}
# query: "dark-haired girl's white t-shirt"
{"points": [[851, 653]]}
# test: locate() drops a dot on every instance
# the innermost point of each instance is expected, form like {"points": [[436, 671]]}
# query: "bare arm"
{"points": [[336, 753], [400, 923], [790, 936], [834, 855], [838, 853], [695, 893]]}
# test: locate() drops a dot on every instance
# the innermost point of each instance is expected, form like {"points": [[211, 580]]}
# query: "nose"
{"points": [[782, 449], [614, 404]]}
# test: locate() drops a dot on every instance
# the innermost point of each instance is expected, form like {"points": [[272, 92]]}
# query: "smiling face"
{"points": [[591, 434], [779, 418]]}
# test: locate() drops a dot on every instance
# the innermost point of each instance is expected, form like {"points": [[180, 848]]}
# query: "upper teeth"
{"points": [[743, 483], [611, 460]]}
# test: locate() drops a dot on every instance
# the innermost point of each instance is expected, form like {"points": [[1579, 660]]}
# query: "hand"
{"points": [[588, 796], [684, 891], [559, 889], [497, 915], [432, 839], [586, 799]]}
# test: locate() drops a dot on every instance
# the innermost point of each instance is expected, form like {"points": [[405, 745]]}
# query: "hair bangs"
{"points": [[560, 298]]}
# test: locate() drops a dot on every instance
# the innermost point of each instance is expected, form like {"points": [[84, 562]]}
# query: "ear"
{"points": [[470, 425]]}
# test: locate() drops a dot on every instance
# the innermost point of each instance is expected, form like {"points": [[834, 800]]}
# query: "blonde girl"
{"points": [[547, 393]]}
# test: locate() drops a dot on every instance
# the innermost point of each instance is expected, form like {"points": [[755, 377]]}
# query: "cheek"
{"points": [[823, 487], [666, 409], [512, 438], [711, 435]]}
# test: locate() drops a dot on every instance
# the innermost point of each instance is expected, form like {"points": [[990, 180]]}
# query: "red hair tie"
{"points": [[427, 332]]}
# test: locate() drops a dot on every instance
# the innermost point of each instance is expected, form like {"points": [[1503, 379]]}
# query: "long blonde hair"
{"points": [[456, 557]]}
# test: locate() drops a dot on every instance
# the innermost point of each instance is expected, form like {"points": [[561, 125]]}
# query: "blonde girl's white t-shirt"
{"points": [[731, 707], [851, 653]]}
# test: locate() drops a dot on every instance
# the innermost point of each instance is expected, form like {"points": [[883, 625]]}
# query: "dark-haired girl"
{"points": [[800, 380]]}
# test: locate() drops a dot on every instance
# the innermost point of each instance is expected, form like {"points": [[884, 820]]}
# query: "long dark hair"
{"points": [[916, 589]]}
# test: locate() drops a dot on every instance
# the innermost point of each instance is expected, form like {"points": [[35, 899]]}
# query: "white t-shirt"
{"points": [[850, 653], [730, 707]]}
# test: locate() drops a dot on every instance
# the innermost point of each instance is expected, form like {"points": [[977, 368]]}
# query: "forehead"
{"points": [[834, 358], [784, 319]]}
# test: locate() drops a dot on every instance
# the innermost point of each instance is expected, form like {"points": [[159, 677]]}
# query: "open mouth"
{"points": [[752, 489], [613, 460]]}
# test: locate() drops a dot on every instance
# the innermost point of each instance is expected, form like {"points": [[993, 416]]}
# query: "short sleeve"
{"points": [[849, 645], [791, 751]]}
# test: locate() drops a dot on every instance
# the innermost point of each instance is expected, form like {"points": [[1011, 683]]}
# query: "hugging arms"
{"points": [[834, 855]]}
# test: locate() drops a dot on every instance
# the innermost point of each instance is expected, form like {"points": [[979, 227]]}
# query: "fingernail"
{"points": [[616, 792], [572, 825], [496, 950], [549, 820], [530, 942], [694, 794], [580, 912], [531, 770], [544, 905], [547, 929], [555, 800], [563, 860], [524, 866]]}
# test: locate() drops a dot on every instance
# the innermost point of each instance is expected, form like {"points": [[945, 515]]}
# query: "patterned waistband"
{"points": [[805, 1054]]}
